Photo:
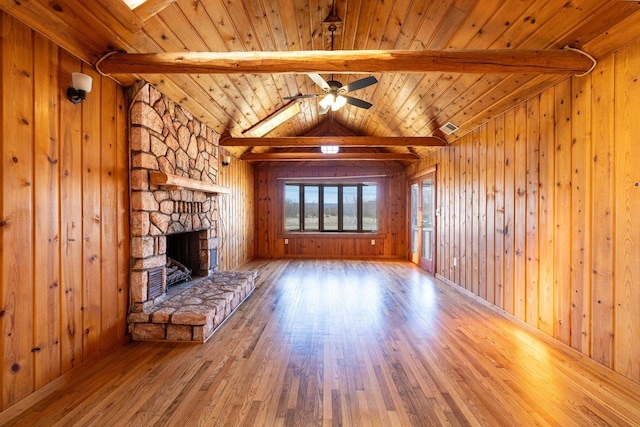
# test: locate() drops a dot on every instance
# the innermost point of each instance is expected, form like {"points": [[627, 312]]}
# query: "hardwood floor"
{"points": [[345, 343]]}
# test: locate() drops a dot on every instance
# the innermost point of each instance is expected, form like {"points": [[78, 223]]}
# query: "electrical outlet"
{"points": [[286, 241], [455, 262], [373, 242]]}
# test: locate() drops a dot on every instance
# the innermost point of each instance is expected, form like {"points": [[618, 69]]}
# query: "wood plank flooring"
{"points": [[353, 343]]}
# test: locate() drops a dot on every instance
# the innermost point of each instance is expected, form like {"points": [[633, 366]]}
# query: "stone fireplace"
{"points": [[176, 223], [166, 138]]}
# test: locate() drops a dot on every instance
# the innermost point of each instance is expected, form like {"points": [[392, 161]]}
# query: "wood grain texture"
{"points": [[347, 141], [603, 222], [329, 158], [46, 348], [236, 213], [63, 263], [564, 190], [350, 62], [581, 214], [176, 181], [627, 249], [340, 342], [17, 210], [404, 104]]}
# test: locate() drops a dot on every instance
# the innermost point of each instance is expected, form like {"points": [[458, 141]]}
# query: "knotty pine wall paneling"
{"points": [[64, 253], [236, 212], [390, 241], [627, 206], [602, 227], [546, 198]]}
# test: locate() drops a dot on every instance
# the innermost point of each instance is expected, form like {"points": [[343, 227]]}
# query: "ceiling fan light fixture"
{"points": [[327, 101], [329, 149], [338, 103]]}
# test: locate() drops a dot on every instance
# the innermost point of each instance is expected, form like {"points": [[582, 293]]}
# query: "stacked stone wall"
{"points": [[166, 138]]}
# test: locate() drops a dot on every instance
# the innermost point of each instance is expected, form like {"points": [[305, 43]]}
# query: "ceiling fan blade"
{"points": [[359, 84], [313, 95], [357, 102], [317, 79]]}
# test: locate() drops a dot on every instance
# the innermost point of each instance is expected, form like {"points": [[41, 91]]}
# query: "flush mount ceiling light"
{"points": [[329, 149], [81, 85]]}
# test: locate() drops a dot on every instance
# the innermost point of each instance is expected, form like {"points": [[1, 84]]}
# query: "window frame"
{"points": [[340, 186]]}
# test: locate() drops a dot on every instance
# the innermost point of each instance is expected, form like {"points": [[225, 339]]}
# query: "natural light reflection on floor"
{"points": [[325, 295], [530, 351]]}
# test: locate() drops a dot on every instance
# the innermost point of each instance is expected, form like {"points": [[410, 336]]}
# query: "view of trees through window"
{"points": [[331, 207]]}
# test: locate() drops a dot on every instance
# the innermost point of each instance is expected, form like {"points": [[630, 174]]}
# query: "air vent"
{"points": [[156, 277], [449, 128]]}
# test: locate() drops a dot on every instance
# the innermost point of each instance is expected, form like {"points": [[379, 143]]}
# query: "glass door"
{"points": [[416, 220], [423, 222]]}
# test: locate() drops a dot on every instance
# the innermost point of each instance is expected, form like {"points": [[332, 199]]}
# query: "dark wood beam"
{"points": [[343, 141], [316, 157], [355, 61]]}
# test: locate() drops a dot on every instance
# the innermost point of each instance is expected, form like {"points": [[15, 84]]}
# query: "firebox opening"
{"points": [[183, 257]]}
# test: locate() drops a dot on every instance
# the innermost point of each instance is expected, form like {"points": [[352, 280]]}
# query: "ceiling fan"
{"points": [[335, 97]]}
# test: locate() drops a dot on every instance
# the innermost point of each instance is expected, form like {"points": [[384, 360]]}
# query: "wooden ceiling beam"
{"points": [[343, 141], [561, 61], [311, 157]]}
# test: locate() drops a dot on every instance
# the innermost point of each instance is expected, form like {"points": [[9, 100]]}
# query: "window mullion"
{"points": [[321, 207], [302, 213], [359, 208], [340, 192]]}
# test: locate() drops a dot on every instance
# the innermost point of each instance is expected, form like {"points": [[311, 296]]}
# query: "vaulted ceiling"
{"points": [[405, 104]]}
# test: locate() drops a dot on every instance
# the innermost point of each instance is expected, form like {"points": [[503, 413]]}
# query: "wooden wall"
{"points": [[390, 241], [236, 213], [64, 253], [540, 207]]}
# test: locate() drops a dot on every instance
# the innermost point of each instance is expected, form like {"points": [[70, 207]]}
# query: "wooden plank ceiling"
{"points": [[406, 105]]}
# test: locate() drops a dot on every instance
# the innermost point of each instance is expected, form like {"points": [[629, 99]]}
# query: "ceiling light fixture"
{"points": [[333, 102], [329, 149], [338, 103], [274, 120]]}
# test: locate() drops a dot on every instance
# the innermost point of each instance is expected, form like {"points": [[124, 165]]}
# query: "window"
{"points": [[331, 207]]}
